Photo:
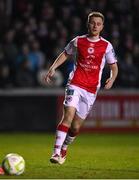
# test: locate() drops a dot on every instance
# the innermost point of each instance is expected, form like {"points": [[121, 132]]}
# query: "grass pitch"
{"points": [[94, 156]]}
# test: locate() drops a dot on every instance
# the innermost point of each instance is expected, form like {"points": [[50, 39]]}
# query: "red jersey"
{"points": [[90, 60]]}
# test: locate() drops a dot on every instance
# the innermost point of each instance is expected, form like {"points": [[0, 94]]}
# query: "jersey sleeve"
{"points": [[70, 48], [110, 54]]}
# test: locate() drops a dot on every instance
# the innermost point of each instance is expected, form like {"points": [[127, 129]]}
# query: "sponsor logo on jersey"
{"points": [[92, 45]]}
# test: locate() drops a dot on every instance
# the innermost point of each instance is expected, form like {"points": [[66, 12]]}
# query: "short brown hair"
{"points": [[95, 14]]}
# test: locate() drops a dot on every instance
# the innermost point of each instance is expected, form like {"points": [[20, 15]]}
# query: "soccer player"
{"points": [[92, 51]]}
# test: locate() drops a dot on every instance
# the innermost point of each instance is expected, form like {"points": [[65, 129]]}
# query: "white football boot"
{"points": [[55, 158], [63, 155]]}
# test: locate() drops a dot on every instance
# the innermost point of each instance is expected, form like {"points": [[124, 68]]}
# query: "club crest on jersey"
{"points": [[90, 50]]}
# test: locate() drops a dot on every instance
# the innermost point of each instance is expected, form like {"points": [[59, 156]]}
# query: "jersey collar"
{"points": [[89, 39]]}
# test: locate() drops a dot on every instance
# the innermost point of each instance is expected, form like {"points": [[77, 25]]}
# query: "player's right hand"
{"points": [[49, 75]]}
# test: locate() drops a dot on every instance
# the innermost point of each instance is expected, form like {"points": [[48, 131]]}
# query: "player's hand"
{"points": [[109, 83], [48, 76]]}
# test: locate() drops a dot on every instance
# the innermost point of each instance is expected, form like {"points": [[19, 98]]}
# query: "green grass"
{"points": [[94, 156]]}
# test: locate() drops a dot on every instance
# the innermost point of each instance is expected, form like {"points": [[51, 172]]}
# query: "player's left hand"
{"points": [[109, 83]]}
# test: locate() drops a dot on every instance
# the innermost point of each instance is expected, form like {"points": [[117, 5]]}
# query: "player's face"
{"points": [[95, 26]]}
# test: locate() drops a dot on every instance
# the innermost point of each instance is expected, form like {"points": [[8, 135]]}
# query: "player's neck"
{"points": [[92, 37]]}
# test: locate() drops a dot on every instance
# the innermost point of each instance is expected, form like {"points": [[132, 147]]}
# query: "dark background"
{"points": [[33, 33]]}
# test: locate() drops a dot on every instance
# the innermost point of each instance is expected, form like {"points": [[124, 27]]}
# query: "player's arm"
{"points": [[113, 75], [60, 60]]}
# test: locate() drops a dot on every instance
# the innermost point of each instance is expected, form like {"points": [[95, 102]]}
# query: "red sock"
{"points": [[61, 134]]}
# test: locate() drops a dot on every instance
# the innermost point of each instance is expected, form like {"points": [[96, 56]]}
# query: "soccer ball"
{"points": [[13, 164]]}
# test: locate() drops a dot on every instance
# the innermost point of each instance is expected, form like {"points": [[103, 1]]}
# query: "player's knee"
{"points": [[69, 115], [69, 112], [67, 119]]}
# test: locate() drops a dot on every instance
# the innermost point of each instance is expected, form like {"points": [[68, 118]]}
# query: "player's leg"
{"points": [[84, 107], [73, 131], [61, 132], [71, 135], [81, 114], [70, 106]]}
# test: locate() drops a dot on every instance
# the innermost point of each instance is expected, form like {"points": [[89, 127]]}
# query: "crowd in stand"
{"points": [[35, 32]]}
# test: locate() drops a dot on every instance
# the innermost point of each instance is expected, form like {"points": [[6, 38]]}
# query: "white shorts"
{"points": [[79, 98]]}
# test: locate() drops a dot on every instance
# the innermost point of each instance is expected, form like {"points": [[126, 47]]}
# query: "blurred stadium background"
{"points": [[33, 33]]}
